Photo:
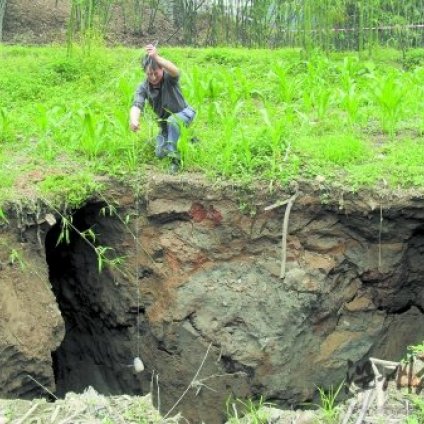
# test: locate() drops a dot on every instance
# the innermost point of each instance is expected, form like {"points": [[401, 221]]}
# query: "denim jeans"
{"points": [[167, 140]]}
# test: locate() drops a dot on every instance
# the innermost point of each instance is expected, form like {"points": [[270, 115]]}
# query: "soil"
{"points": [[45, 22], [35, 22]]}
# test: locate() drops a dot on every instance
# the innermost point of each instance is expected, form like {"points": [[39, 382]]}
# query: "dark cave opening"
{"points": [[98, 348]]}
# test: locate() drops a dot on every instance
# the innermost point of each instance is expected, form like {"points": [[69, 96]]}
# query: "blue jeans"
{"points": [[167, 140]]}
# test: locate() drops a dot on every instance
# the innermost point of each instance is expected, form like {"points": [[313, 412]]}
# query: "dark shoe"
{"points": [[174, 167]]}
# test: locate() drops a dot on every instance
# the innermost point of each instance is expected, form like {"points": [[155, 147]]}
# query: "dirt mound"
{"points": [[46, 21], [42, 21]]}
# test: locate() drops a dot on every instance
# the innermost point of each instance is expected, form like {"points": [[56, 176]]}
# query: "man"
{"points": [[162, 90]]}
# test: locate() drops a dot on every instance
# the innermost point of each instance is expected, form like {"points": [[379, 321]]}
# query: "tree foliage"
{"points": [[328, 24], [2, 12]]}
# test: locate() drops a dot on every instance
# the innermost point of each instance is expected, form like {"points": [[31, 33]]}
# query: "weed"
{"points": [[418, 406], [71, 190], [254, 410], [139, 413], [3, 218], [103, 253], [64, 234], [328, 409], [413, 351], [16, 257], [416, 349]]}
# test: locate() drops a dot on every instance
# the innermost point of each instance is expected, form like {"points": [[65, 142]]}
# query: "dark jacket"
{"points": [[165, 99]]}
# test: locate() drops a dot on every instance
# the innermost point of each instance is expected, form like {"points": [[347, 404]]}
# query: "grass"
{"points": [[329, 411], [417, 416], [268, 115], [252, 411], [70, 189]]}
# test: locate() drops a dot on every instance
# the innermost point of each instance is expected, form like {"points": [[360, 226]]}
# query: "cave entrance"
{"points": [[98, 347]]}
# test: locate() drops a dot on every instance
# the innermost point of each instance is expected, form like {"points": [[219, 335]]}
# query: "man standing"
{"points": [[162, 90]]}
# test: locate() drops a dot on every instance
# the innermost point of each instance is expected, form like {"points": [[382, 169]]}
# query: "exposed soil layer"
{"points": [[46, 22], [198, 288]]}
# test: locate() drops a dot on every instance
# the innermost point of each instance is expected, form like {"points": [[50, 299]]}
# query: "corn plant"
{"points": [[92, 138], [231, 92], [275, 133], [322, 99], [50, 122], [200, 86], [227, 150], [349, 99], [288, 89], [389, 95]]}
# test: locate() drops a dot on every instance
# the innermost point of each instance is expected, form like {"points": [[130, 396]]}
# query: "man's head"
{"points": [[153, 71]]}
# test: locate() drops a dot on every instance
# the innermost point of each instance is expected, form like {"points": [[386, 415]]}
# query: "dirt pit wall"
{"points": [[190, 282]]}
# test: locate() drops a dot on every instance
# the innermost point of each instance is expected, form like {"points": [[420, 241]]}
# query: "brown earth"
{"points": [[41, 21], [46, 21]]}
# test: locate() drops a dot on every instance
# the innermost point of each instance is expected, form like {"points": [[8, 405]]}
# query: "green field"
{"points": [[272, 115]]}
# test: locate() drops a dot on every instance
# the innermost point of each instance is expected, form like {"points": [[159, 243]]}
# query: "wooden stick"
{"points": [[387, 364], [365, 405], [284, 236], [276, 205], [55, 414], [380, 379], [23, 419], [349, 411]]}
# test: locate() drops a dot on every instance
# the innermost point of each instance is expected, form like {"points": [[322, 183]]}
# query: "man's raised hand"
{"points": [[151, 51]]}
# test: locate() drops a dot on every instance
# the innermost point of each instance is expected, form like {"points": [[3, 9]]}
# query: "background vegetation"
{"points": [[329, 24]]}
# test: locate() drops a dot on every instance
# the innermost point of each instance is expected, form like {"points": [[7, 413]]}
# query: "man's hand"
{"points": [[162, 62], [135, 118], [151, 51], [135, 126]]}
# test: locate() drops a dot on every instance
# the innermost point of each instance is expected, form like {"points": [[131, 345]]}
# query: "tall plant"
{"points": [[2, 12], [88, 18]]}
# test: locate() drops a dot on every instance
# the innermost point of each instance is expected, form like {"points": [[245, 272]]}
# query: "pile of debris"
{"points": [[88, 407]]}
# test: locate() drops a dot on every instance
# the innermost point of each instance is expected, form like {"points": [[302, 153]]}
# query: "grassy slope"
{"points": [[262, 114]]}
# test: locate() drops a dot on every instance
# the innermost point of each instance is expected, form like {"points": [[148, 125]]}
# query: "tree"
{"points": [[2, 10]]}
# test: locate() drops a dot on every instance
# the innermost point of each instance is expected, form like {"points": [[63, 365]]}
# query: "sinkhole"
{"points": [[104, 320], [100, 340]]}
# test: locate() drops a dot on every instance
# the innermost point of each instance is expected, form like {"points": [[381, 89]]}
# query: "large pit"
{"points": [[200, 291]]}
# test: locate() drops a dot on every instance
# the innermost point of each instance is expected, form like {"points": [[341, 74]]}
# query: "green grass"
{"points": [[268, 115], [252, 411]]}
